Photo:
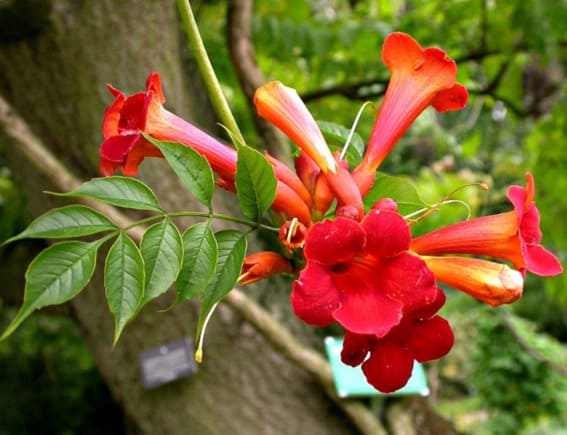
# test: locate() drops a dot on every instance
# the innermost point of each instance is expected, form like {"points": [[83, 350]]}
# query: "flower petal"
{"points": [[334, 241], [407, 279], [356, 347], [108, 167], [430, 310], [153, 84], [314, 298], [430, 339], [389, 366], [530, 231], [454, 98], [116, 148], [387, 233], [133, 114], [137, 154], [366, 310], [541, 262], [112, 114]]}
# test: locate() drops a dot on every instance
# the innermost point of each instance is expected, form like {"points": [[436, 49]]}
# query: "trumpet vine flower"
{"points": [[125, 147], [514, 236], [419, 78], [489, 282], [282, 106], [361, 275], [263, 264], [127, 117]]}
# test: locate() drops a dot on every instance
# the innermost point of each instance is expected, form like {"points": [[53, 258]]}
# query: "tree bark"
{"points": [[54, 77]]}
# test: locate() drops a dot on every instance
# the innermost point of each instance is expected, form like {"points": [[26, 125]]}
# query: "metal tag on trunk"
{"points": [[167, 363]]}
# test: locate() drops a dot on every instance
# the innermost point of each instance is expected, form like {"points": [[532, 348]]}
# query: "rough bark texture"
{"points": [[55, 80]]}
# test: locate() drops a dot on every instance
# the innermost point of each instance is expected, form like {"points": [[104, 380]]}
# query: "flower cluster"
{"points": [[360, 268]]}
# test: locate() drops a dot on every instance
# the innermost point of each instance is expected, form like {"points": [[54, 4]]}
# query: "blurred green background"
{"points": [[507, 372]]}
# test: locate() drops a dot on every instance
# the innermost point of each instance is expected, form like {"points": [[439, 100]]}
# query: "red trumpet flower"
{"points": [[419, 78], [124, 146], [361, 274], [514, 236]]}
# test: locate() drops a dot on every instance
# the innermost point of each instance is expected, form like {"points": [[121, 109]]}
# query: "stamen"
{"points": [[199, 351], [291, 231], [353, 128]]}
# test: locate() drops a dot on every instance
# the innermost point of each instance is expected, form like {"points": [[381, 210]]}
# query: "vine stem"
{"points": [[214, 89], [29, 146], [253, 225]]}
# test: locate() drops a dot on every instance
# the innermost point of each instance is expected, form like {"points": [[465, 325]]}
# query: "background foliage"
{"points": [[512, 56]]}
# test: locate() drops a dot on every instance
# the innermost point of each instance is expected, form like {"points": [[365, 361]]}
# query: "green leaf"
{"points": [[55, 276], [255, 182], [65, 222], [340, 134], [191, 167], [119, 191], [400, 189], [199, 261], [162, 250], [123, 281], [231, 252]]}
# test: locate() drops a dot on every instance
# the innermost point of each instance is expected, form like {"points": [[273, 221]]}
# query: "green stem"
{"points": [[224, 217], [207, 215], [213, 86]]}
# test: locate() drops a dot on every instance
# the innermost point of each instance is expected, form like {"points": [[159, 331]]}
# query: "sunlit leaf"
{"points": [[55, 276], [192, 168], [66, 222], [255, 182], [400, 189], [123, 281], [231, 252], [199, 261], [162, 250], [119, 191]]}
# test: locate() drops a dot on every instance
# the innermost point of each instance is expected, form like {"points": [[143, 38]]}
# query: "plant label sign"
{"points": [[167, 363]]}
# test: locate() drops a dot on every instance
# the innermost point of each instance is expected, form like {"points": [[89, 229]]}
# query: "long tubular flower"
{"points": [[283, 107], [489, 282], [419, 78], [125, 148], [514, 236]]}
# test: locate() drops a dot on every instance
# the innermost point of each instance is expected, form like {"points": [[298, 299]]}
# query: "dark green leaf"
{"points": [[162, 251], [191, 167], [65, 222], [400, 189], [123, 281], [119, 191], [55, 276], [231, 252], [255, 182], [199, 261]]}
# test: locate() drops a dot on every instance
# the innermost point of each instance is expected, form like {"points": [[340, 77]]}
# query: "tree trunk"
{"points": [[53, 73]]}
